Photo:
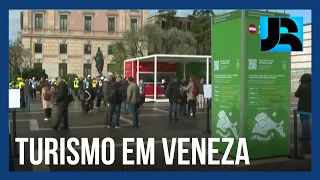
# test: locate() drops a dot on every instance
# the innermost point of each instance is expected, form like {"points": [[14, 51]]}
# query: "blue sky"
{"points": [[14, 18]]}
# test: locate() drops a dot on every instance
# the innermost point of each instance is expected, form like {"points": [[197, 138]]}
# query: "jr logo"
{"points": [[281, 34]]}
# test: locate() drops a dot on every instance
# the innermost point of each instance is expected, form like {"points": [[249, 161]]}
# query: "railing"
{"points": [[62, 32]]}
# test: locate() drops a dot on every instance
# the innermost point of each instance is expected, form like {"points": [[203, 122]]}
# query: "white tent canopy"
{"points": [[184, 59]]}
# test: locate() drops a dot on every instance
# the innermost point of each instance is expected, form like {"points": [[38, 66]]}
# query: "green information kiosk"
{"points": [[251, 89]]}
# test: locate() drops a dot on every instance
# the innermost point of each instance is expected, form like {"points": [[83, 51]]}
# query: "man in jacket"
{"points": [[62, 103], [105, 88], [304, 104], [115, 98], [173, 93], [133, 97]]}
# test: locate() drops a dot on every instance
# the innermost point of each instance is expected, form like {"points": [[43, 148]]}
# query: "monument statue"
{"points": [[99, 61]]}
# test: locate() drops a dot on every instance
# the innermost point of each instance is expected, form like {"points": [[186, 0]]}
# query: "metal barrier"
{"points": [[296, 155]]}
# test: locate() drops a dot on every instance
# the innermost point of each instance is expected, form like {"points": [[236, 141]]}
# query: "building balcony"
{"points": [[31, 32]]}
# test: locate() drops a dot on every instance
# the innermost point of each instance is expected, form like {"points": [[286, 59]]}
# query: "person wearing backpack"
{"points": [[192, 92], [115, 98], [47, 100]]}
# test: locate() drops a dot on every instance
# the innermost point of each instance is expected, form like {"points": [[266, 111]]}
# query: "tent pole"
{"points": [[207, 71], [155, 79]]}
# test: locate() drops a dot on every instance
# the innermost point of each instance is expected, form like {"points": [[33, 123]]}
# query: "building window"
{"points": [[37, 65], [38, 48], [110, 49], [87, 49], [86, 70], [87, 23], [63, 21], [63, 69], [111, 24], [63, 49], [134, 23], [38, 20]]}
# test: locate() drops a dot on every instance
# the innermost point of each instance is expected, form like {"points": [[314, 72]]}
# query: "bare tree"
{"points": [[16, 52], [28, 58]]}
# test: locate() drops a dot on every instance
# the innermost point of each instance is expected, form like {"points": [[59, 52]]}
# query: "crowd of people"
{"points": [[115, 93], [118, 93], [184, 93]]}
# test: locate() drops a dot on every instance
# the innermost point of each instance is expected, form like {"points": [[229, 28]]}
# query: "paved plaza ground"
{"points": [[153, 123]]}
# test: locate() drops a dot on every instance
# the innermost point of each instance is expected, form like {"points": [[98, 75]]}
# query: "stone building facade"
{"points": [[66, 41]]}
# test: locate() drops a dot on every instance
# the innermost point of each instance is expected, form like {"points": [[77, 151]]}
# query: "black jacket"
{"points": [[119, 94], [173, 91], [61, 96], [304, 93]]}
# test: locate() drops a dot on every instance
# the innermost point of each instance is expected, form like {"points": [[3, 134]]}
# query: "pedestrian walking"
{"points": [[192, 93], [62, 103], [27, 92], [47, 100], [33, 84]]}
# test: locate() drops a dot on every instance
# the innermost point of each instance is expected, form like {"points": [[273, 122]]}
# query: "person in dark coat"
{"points": [[183, 98], [125, 85], [27, 93], [62, 103], [304, 104], [99, 91], [173, 93]]}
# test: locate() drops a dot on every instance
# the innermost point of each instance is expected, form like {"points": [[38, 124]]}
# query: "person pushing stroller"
{"points": [[85, 98]]}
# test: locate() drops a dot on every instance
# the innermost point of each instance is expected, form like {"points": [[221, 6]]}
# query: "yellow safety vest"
{"points": [[94, 84], [11, 86], [76, 84], [20, 85]]}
